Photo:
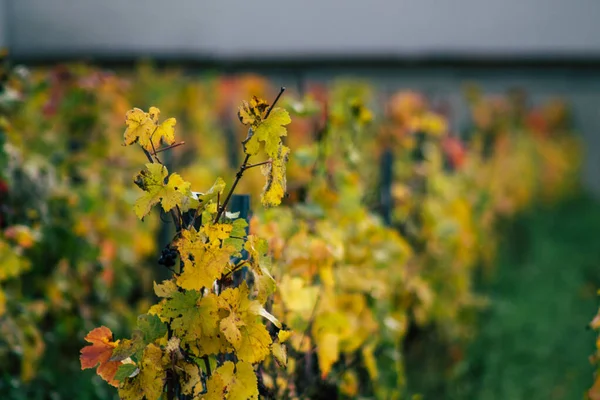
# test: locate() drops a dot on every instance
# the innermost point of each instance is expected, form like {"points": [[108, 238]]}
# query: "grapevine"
{"points": [[205, 336]]}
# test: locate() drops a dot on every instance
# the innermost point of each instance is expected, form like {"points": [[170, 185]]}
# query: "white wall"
{"points": [[236, 28]]}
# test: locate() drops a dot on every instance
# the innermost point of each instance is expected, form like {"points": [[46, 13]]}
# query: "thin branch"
{"points": [[175, 214], [243, 167], [281, 90], [153, 149], [236, 267], [258, 164], [148, 155], [168, 147], [238, 176]]}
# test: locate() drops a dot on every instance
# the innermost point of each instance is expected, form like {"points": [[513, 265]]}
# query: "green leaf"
{"points": [[151, 327], [239, 233], [125, 371], [128, 347]]}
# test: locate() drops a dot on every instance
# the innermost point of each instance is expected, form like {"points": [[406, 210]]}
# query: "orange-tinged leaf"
{"points": [[99, 353]]}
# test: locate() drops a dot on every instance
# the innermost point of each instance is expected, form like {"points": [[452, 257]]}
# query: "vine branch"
{"points": [[244, 165]]}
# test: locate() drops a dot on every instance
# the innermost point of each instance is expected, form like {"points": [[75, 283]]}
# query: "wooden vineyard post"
{"points": [[385, 186]]}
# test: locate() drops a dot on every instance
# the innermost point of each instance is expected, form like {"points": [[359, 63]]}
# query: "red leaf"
{"points": [[99, 352]]}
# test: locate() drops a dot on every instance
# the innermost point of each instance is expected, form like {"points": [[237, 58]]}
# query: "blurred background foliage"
{"points": [[463, 261]]}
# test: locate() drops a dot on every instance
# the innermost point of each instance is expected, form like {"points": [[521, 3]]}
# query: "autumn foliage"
{"points": [[318, 296]]}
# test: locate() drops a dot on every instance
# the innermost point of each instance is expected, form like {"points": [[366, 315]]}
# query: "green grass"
{"points": [[533, 342]]}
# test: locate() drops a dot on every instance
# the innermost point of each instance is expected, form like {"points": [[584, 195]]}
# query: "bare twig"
{"points": [[258, 164], [168, 148], [235, 268]]}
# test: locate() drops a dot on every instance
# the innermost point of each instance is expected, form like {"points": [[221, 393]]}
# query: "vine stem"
{"points": [[172, 383], [168, 148], [244, 165]]}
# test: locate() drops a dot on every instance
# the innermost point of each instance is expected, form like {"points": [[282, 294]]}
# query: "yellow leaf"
{"points": [[280, 353], [166, 131], [144, 129], [233, 382], [370, 361], [328, 330], [215, 387], [204, 262], [254, 346], [190, 379], [176, 192], [150, 381], [283, 335], [269, 132], [195, 320], [139, 125], [165, 289], [328, 352], [274, 171], [230, 328], [297, 295], [242, 328], [264, 283], [251, 113]]}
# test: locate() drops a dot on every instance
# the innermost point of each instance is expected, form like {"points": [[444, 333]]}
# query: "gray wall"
{"points": [[236, 28], [581, 88], [406, 29], [3, 24]]}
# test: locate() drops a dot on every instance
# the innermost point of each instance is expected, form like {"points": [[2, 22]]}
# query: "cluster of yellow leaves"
{"points": [[437, 208], [205, 258], [409, 113], [267, 130], [143, 128], [207, 315], [232, 381], [175, 192], [330, 271]]}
